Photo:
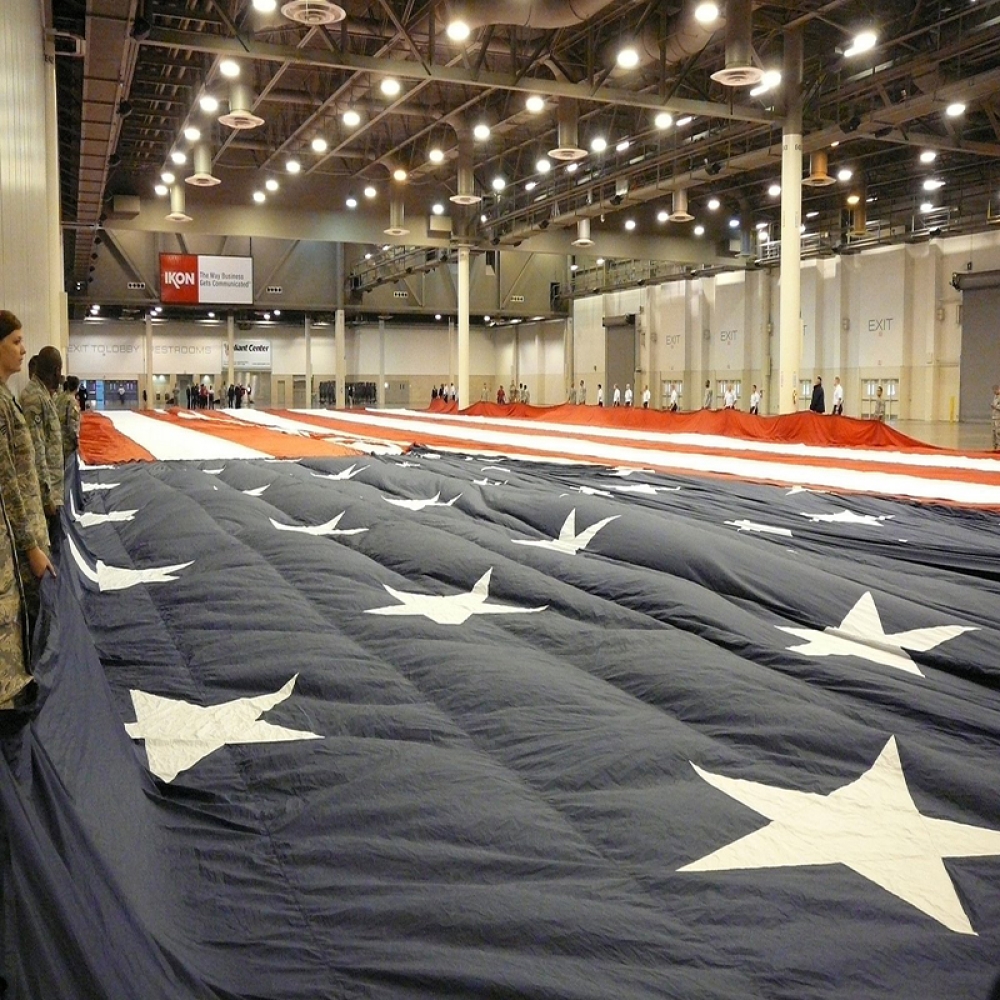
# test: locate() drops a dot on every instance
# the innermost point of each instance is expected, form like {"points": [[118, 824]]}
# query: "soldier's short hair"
{"points": [[8, 323]]}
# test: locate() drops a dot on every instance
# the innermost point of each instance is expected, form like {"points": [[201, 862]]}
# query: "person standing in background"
{"points": [[646, 396], [582, 395], [600, 394], [707, 404], [674, 398], [46, 434], [616, 396], [995, 414], [755, 401], [18, 476], [879, 412], [571, 396], [818, 402], [68, 411], [729, 400], [838, 398]]}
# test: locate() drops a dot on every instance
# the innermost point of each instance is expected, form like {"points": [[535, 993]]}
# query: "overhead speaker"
{"points": [[583, 234], [240, 116], [568, 149], [818, 176], [178, 211], [680, 212], [739, 70], [202, 176]]}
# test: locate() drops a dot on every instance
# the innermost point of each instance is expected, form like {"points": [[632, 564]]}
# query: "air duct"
{"points": [[240, 114], [739, 70], [396, 227], [680, 212], [568, 149], [544, 15], [583, 234], [202, 176], [466, 193], [818, 166], [177, 204]]}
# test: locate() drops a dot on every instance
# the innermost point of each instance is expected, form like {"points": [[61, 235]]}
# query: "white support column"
{"points": [[307, 329], [789, 353], [231, 340], [380, 386], [340, 357], [148, 345], [464, 399]]}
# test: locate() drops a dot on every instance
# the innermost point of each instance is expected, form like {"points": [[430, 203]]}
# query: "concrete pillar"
{"points": [[789, 353], [231, 341]]}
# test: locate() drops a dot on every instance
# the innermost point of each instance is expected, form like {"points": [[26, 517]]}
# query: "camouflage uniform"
{"points": [[46, 436], [13, 656], [68, 411], [21, 494]]}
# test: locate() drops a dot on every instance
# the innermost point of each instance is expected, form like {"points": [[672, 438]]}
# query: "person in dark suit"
{"points": [[818, 402]]}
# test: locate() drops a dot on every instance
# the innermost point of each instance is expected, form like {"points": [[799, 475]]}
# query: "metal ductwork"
{"points": [[541, 14], [396, 227], [240, 115], [178, 206], [202, 175], [818, 166], [583, 239], [568, 148], [739, 70], [686, 37], [680, 212], [466, 193], [313, 12]]}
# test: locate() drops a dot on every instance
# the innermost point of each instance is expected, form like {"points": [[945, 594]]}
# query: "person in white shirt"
{"points": [[645, 398], [525, 395], [673, 399], [628, 394], [755, 401], [616, 396], [600, 394], [707, 405], [451, 392], [730, 397], [582, 394], [838, 398]]}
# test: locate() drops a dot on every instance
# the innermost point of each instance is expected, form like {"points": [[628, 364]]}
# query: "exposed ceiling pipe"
{"points": [[202, 175], [396, 227], [543, 14], [680, 212], [568, 148], [240, 115], [178, 212], [466, 190], [583, 234], [818, 167], [739, 70]]}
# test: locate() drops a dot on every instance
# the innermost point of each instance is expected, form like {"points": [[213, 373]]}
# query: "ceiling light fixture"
{"points": [[530, 186], [663, 120], [399, 174], [481, 131], [772, 78], [629, 224], [390, 86], [598, 144], [628, 57], [265, 6], [319, 145], [259, 197], [734, 223], [926, 207], [436, 155], [622, 146], [167, 177], [178, 157], [774, 190], [706, 13], [229, 68], [437, 208], [714, 204], [572, 168], [161, 190], [933, 184], [351, 118], [293, 166], [699, 230], [351, 202], [844, 174], [543, 166], [535, 104], [853, 199], [370, 191], [662, 215], [864, 41], [955, 110], [684, 120], [271, 184], [192, 134], [458, 31], [208, 103], [928, 156], [499, 183]]}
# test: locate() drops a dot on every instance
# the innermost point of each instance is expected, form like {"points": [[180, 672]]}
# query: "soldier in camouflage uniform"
{"points": [[43, 424], [14, 676], [18, 478], [68, 411]]}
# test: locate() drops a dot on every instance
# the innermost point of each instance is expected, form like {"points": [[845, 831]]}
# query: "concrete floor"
{"points": [[947, 434]]}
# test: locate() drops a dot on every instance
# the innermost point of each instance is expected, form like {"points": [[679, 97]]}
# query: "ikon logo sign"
{"points": [[179, 278]]}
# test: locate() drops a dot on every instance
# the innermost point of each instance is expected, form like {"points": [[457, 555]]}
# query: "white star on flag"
{"points": [[848, 517], [453, 610], [763, 529], [624, 471], [329, 528], [214, 472], [179, 734], [435, 501], [93, 487], [89, 519], [348, 473], [861, 634], [569, 541], [647, 489], [870, 825], [257, 491], [119, 577]]}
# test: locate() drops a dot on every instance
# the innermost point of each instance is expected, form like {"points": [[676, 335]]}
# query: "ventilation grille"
{"points": [[273, 290], [136, 286], [400, 295], [517, 299], [241, 120], [313, 12]]}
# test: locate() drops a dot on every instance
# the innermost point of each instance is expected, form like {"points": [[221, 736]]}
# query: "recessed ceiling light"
{"points": [[390, 86], [211, 315], [530, 186], [458, 31], [535, 104], [954, 110], [685, 120], [628, 57], [208, 103], [293, 166], [277, 312], [178, 157], [437, 315], [699, 230], [437, 208], [622, 146], [932, 184], [167, 177], [370, 191], [436, 155], [319, 144], [543, 166], [481, 131], [229, 68], [161, 189], [734, 223], [259, 197], [844, 174], [774, 190], [399, 174], [271, 184], [706, 13], [598, 144], [928, 156], [499, 183], [663, 120], [351, 202], [630, 224], [192, 134], [714, 204], [662, 215], [926, 207], [865, 41], [351, 118], [853, 199]]}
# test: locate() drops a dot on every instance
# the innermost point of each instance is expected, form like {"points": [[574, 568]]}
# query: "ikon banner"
{"points": [[189, 279]]}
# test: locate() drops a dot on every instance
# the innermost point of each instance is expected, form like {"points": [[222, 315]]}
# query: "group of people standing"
{"points": [[38, 431]]}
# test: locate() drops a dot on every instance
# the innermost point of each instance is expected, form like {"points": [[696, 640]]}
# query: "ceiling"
{"points": [[131, 72]]}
